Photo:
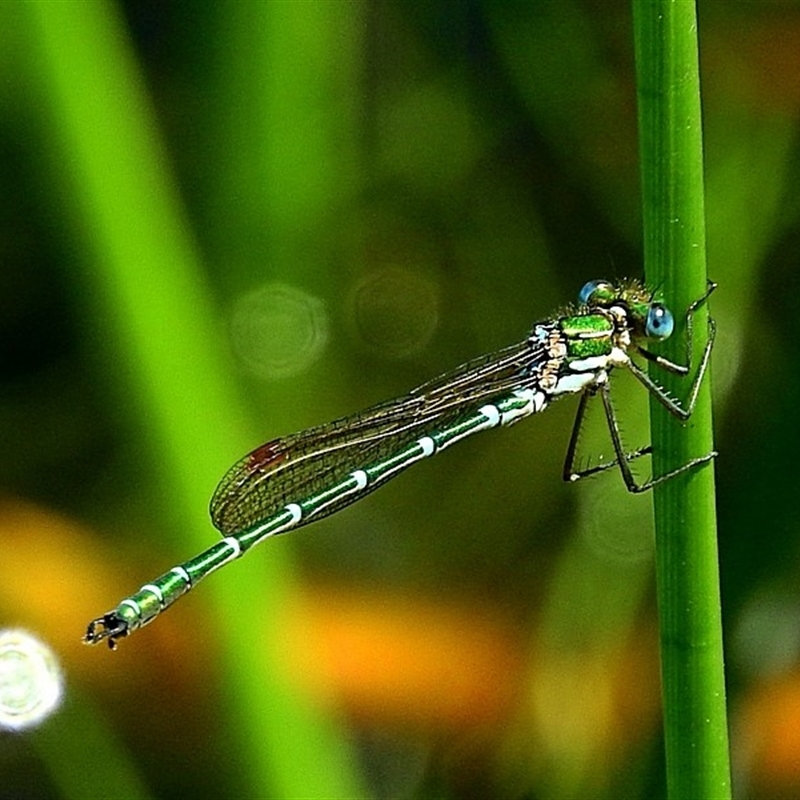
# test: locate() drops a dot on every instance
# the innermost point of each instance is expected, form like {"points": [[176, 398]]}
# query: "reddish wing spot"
{"points": [[266, 457]]}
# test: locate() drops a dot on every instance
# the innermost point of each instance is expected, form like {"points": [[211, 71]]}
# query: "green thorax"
{"points": [[587, 335]]}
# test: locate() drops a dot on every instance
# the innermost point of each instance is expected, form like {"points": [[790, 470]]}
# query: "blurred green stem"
{"points": [[695, 723], [146, 281]]}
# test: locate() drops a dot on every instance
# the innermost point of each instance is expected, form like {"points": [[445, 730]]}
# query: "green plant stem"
{"points": [[695, 723], [146, 281]]}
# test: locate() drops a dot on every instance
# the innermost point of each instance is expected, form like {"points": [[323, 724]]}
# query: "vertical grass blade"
{"points": [[693, 688], [146, 280]]}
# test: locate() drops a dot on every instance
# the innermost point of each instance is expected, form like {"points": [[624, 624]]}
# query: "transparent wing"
{"points": [[291, 467]]}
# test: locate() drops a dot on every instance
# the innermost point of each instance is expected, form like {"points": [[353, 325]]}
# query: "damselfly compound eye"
{"points": [[659, 322], [595, 290]]}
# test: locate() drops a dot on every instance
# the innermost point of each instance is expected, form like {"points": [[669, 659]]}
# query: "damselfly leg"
{"points": [[682, 411]]}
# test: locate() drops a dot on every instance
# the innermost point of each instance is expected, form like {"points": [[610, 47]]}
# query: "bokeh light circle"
{"points": [[31, 681], [395, 311], [278, 331]]}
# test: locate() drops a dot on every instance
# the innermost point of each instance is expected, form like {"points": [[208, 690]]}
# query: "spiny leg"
{"points": [[570, 473], [621, 459], [624, 461]]}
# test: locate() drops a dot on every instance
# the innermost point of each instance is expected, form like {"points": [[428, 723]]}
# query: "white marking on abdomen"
{"points": [[361, 478], [153, 589], [182, 573], [428, 446], [528, 396], [493, 416], [236, 548], [341, 490], [491, 419], [266, 530], [137, 609], [296, 512]]}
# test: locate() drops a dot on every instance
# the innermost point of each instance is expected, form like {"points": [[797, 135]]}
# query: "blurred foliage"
{"points": [[228, 221]]}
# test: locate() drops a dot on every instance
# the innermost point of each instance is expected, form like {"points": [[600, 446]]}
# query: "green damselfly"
{"points": [[297, 479]]}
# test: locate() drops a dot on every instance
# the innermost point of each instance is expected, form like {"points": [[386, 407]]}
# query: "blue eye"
{"points": [[591, 288], [659, 322]]}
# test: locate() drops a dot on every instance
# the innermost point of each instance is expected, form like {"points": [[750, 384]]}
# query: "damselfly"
{"points": [[305, 476]]}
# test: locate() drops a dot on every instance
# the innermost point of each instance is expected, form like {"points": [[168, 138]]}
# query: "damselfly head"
{"points": [[631, 300]]}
